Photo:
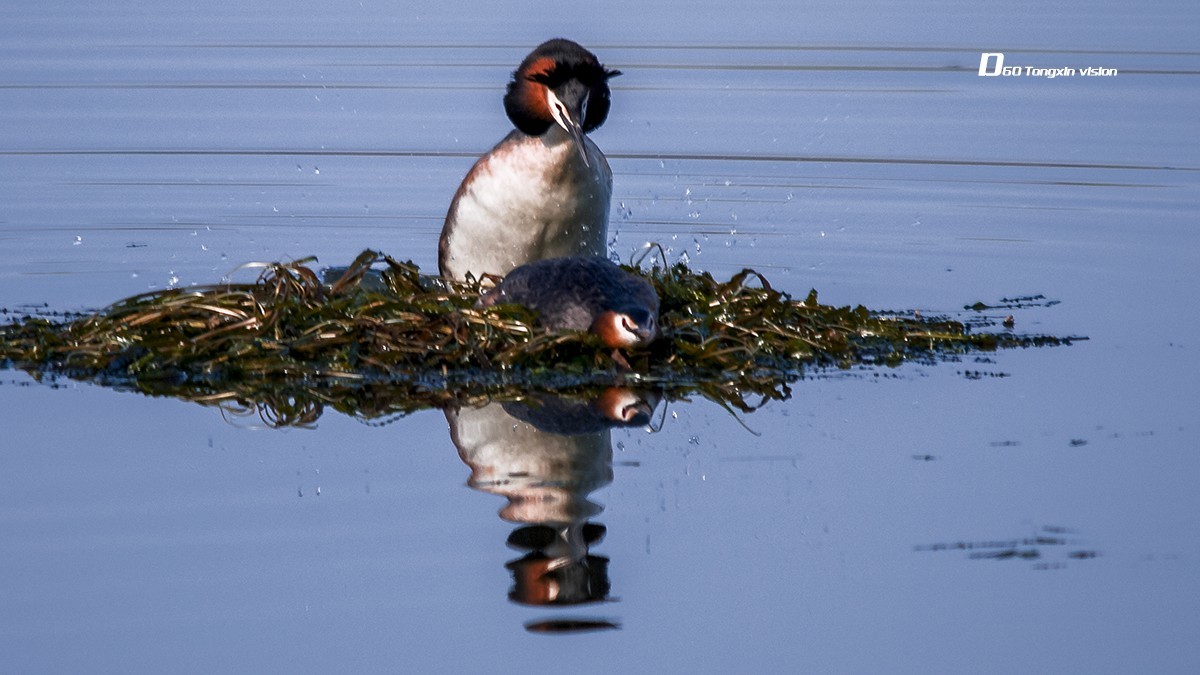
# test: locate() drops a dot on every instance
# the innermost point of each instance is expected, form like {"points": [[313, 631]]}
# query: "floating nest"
{"points": [[377, 341]]}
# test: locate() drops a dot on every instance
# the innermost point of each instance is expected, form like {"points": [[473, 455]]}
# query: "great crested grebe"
{"points": [[543, 191], [583, 293]]}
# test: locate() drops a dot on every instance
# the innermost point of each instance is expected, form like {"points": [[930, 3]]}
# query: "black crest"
{"points": [[552, 64]]}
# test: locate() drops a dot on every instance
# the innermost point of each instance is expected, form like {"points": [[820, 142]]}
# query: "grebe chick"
{"points": [[544, 191], [583, 293]]}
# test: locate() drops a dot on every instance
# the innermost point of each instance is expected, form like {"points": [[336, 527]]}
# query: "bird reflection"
{"points": [[546, 455]]}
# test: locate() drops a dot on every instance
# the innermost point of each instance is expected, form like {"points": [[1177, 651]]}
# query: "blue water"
{"points": [[863, 526]]}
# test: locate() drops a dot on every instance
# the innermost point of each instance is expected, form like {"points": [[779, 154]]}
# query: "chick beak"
{"points": [[569, 107]]}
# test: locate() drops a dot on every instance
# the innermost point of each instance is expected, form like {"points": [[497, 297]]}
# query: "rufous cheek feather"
{"points": [[607, 328], [621, 405], [533, 93]]}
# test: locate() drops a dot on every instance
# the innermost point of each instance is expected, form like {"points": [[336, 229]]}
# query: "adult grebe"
{"points": [[583, 293], [543, 191]]}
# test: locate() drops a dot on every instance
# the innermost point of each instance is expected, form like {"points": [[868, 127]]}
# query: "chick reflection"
{"points": [[546, 455]]}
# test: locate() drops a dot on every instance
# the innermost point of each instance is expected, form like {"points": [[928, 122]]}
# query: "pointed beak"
{"points": [[647, 335], [569, 110]]}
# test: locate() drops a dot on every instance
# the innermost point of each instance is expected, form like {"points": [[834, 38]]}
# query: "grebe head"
{"points": [[631, 327], [559, 83], [624, 406]]}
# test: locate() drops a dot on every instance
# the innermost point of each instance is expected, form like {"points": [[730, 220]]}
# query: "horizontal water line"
{"points": [[698, 157], [523, 47]]}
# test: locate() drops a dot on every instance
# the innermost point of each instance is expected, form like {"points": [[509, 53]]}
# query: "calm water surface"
{"points": [[1035, 509]]}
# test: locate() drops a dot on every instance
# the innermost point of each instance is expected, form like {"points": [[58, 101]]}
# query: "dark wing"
{"points": [[569, 293]]}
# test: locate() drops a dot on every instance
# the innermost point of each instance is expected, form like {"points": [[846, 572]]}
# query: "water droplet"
{"points": [[78, 240]]}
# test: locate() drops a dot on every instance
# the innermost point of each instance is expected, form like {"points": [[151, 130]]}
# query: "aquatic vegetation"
{"points": [[373, 343]]}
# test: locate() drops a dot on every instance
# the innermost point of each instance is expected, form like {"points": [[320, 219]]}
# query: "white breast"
{"points": [[530, 198]]}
